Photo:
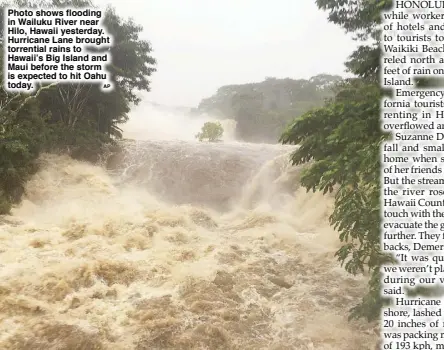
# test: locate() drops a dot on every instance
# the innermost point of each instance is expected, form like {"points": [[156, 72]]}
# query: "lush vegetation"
{"points": [[74, 118], [262, 110], [211, 131], [340, 143]]}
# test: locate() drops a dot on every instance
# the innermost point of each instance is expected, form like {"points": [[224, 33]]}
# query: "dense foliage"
{"points": [[262, 110], [74, 118], [211, 131], [341, 144]]}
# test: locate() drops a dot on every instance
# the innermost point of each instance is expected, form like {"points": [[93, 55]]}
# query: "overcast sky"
{"points": [[201, 45]]}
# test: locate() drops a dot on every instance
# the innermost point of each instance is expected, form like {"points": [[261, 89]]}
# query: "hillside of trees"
{"points": [[263, 110], [74, 118]]}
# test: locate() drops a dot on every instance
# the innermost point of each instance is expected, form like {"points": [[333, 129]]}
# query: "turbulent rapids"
{"points": [[175, 245]]}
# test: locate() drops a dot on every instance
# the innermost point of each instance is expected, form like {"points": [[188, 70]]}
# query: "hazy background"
{"points": [[201, 45], [176, 243]]}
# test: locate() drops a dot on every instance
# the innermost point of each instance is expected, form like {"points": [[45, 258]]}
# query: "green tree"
{"points": [[75, 118], [262, 110], [23, 134], [340, 145], [211, 131]]}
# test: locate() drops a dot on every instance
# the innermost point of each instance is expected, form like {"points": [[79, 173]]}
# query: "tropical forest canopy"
{"points": [[340, 144], [74, 118], [263, 110]]}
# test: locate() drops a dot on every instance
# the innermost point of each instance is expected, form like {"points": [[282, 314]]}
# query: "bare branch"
{"points": [[12, 97], [39, 91], [74, 97]]}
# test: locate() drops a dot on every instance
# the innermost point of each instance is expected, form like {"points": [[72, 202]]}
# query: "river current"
{"points": [[175, 244]]}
